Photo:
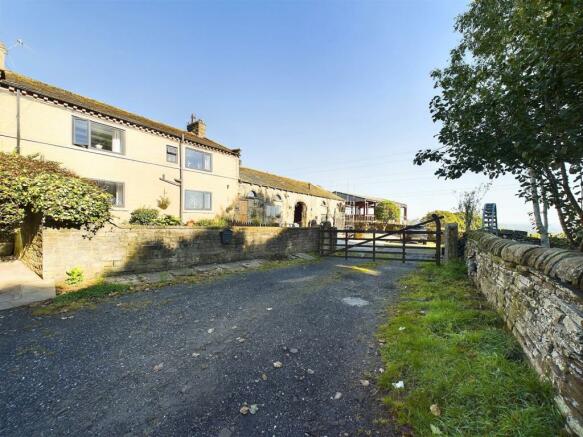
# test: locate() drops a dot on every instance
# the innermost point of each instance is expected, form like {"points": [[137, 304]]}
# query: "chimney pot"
{"points": [[196, 126], [3, 53]]}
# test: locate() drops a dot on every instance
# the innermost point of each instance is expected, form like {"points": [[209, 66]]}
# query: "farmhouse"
{"points": [[272, 199], [140, 161]]}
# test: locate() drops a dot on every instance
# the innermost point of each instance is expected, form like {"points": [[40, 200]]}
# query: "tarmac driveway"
{"points": [[183, 360]]}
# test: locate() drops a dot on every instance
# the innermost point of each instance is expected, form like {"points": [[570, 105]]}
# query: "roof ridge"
{"points": [[301, 188], [27, 83]]}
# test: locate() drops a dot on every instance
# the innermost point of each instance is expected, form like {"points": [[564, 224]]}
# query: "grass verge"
{"points": [[453, 353], [87, 297]]}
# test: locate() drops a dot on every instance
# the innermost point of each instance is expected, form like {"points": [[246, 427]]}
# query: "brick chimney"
{"points": [[3, 53], [196, 126]]}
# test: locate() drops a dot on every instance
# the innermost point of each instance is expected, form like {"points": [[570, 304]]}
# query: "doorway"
{"points": [[300, 214]]}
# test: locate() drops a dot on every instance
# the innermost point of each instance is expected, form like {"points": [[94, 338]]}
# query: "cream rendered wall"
{"points": [[315, 205], [46, 128]]}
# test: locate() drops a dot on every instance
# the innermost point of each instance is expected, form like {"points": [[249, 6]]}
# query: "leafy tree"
{"points": [[451, 217], [387, 211], [511, 101], [32, 185], [468, 207]]}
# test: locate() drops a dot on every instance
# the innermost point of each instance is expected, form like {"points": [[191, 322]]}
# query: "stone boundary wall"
{"points": [[115, 250], [539, 293], [28, 243]]}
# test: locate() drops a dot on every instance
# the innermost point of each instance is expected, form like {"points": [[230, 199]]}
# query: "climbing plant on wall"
{"points": [[32, 185]]}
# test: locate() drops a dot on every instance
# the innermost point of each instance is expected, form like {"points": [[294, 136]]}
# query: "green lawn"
{"points": [[452, 351]]}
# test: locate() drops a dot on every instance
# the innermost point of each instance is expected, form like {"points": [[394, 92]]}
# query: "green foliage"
{"points": [[144, 216], [74, 300], [28, 184], [151, 216], [217, 223], [167, 220], [451, 350], [510, 101], [74, 276], [387, 211]]}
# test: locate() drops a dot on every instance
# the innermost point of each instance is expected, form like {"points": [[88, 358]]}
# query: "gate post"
{"points": [[437, 239], [451, 242]]}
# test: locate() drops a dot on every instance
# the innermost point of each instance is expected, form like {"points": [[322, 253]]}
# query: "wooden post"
{"points": [[374, 245], [437, 239], [403, 245], [346, 244]]}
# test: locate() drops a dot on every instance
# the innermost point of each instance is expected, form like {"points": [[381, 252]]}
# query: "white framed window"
{"points": [[171, 154], [90, 134], [116, 189], [197, 160], [198, 200]]}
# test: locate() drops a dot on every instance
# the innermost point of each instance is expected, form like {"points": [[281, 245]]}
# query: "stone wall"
{"points": [[143, 249], [539, 293], [28, 243]]}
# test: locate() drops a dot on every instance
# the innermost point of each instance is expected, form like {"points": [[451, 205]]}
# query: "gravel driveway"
{"points": [[183, 360]]}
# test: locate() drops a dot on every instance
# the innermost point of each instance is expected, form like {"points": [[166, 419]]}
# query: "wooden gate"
{"points": [[410, 243]]}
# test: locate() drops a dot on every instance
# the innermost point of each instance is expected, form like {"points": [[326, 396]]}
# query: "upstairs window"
{"points": [[198, 160], [116, 189], [171, 154], [90, 134], [198, 200]]}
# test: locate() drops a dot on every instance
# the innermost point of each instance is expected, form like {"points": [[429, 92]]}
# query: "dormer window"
{"points": [[89, 134]]}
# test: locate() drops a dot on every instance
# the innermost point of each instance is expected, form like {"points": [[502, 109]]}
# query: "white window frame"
{"points": [[204, 193], [114, 204], [88, 145], [210, 155]]}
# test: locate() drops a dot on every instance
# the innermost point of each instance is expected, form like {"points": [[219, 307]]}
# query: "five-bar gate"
{"points": [[410, 243]]}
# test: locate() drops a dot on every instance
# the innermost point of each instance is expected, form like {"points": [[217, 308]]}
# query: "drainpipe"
{"points": [[181, 186], [177, 182], [18, 122]]}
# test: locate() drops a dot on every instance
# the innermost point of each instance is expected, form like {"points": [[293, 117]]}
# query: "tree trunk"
{"points": [[557, 203], [541, 226], [569, 193]]}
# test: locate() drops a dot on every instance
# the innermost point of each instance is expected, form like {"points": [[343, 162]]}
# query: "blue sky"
{"points": [[333, 92]]}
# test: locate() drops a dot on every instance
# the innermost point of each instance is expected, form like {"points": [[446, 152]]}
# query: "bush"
{"points": [[144, 216], [217, 222], [74, 276], [168, 220], [32, 185]]}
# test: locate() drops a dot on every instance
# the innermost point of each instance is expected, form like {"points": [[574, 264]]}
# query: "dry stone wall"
{"points": [[539, 293], [146, 249]]}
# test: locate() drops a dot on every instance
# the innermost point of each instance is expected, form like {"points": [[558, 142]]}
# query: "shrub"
{"points": [[168, 220], [29, 184], [74, 276], [217, 222], [144, 216]]}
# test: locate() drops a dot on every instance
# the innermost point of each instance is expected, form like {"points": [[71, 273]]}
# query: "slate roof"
{"points": [[31, 86], [265, 179]]}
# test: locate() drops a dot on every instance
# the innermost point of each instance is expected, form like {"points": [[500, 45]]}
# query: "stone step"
{"points": [[20, 286]]}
